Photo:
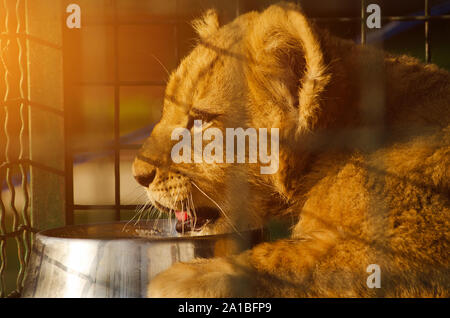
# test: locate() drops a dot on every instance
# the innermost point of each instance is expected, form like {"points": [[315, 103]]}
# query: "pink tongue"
{"points": [[181, 215]]}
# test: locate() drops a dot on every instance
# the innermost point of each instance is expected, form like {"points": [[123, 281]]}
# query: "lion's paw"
{"points": [[209, 278]]}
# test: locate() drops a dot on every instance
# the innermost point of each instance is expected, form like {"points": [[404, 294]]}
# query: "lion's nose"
{"points": [[144, 179], [143, 172]]}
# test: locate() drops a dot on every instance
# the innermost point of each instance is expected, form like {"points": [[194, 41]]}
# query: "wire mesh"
{"points": [[22, 162], [13, 60]]}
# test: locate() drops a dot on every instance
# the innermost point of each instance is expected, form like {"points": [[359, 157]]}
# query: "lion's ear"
{"points": [[207, 24], [289, 57]]}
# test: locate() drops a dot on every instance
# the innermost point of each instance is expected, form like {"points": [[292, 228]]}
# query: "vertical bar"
{"points": [[68, 151], [177, 51], [116, 116], [68, 163], [238, 7], [363, 22], [3, 259], [427, 33], [2, 248], [23, 243]]}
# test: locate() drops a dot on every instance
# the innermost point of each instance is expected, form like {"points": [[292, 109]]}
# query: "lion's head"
{"points": [[263, 70]]}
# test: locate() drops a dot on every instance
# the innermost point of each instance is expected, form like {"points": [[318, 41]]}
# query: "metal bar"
{"points": [[102, 148], [116, 115], [2, 250], [130, 147], [26, 36], [176, 31], [104, 207], [120, 83], [385, 18], [417, 18], [68, 151], [427, 34], [137, 23], [9, 164], [22, 229], [14, 101], [363, 22]]}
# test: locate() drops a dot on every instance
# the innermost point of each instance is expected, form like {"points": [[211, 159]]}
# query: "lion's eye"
{"points": [[201, 119]]}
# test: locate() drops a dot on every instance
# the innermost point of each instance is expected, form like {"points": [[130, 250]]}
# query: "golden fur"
{"points": [[364, 162]]}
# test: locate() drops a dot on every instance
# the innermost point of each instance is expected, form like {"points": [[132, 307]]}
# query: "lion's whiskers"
{"points": [[140, 215], [155, 224], [218, 206], [182, 223], [140, 209], [174, 203], [188, 209], [133, 196], [193, 207], [149, 213]]}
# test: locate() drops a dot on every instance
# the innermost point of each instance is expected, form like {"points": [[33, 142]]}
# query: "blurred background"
{"points": [[76, 104]]}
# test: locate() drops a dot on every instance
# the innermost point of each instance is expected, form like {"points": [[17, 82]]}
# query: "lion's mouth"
{"points": [[193, 220]]}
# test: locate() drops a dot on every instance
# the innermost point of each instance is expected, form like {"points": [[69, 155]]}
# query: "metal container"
{"points": [[115, 259]]}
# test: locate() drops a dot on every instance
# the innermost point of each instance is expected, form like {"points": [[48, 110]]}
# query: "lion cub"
{"points": [[364, 157]]}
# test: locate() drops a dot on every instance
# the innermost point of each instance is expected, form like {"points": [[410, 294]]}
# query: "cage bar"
{"points": [[427, 33], [363, 22]]}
